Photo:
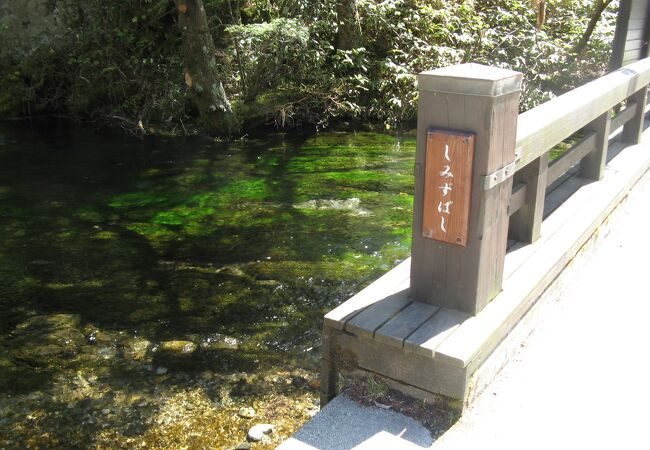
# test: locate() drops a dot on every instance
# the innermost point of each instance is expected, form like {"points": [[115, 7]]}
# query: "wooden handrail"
{"points": [[545, 126], [586, 108]]}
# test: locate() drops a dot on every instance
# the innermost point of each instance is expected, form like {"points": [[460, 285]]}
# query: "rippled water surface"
{"points": [[170, 268]]}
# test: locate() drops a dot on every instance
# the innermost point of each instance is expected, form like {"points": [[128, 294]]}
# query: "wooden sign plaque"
{"points": [[447, 185]]}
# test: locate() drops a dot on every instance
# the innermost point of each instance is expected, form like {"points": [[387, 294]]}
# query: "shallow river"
{"points": [[151, 290]]}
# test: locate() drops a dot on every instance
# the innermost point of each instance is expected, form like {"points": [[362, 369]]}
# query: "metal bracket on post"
{"points": [[498, 176]]}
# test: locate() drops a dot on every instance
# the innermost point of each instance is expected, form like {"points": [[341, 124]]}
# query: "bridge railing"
{"points": [[435, 327], [511, 168], [588, 108]]}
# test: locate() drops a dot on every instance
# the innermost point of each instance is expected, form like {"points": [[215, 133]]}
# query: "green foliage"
{"points": [[122, 61], [262, 53], [377, 81]]}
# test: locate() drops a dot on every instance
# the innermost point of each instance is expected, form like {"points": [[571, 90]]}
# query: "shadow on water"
{"points": [[237, 249]]}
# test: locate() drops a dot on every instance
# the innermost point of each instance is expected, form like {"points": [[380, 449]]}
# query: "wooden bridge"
{"points": [[435, 327]]}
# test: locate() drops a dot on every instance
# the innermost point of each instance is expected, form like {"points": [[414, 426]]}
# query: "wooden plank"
{"points": [[517, 198], [404, 323], [592, 166], [646, 31], [447, 186], [635, 34], [623, 116], [639, 9], [390, 283], [637, 23], [525, 224], [571, 157], [415, 393], [636, 44], [631, 55], [414, 369], [545, 126], [374, 316], [426, 339]]}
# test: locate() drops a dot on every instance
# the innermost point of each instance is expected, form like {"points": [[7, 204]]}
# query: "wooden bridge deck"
{"points": [[436, 351]]}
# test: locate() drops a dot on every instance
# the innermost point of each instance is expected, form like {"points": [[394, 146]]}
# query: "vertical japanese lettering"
{"points": [[448, 174]]}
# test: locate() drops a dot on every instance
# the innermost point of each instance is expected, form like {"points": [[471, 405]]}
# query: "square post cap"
{"points": [[470, 79]]}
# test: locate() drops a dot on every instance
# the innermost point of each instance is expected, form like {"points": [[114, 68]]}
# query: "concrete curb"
{"points": [[344, 424]]}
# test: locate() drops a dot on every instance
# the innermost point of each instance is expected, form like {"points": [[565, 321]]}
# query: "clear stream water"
{"points": [[110, 244]]}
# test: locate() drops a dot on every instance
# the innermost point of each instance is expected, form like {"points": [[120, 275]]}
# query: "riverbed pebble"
{"points": [[260, 431], [246, 412], [136, 349]]}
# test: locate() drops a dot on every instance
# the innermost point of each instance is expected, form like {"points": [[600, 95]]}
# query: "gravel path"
{"points": [[344, 424]]}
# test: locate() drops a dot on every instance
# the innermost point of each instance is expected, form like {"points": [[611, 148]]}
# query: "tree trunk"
{"points": [[541, 14], [348, 35], [201, 74], [593, 21]]}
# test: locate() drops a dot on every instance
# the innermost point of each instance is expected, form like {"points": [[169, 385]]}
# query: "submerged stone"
{"points": [[177, 348], [52, 322], [136, 349], [106, 352], [42, 340], [353, 205], [96, 336], [218, 341], [246, 412], [176, 354]]}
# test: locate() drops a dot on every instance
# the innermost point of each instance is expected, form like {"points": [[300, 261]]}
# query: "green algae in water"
{"points": [[182, 239], [97, 237]]}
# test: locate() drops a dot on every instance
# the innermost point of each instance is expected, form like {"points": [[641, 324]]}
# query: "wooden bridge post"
{"points": [[526, 223], [593, 165], [634, 127], [468, 98]]}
